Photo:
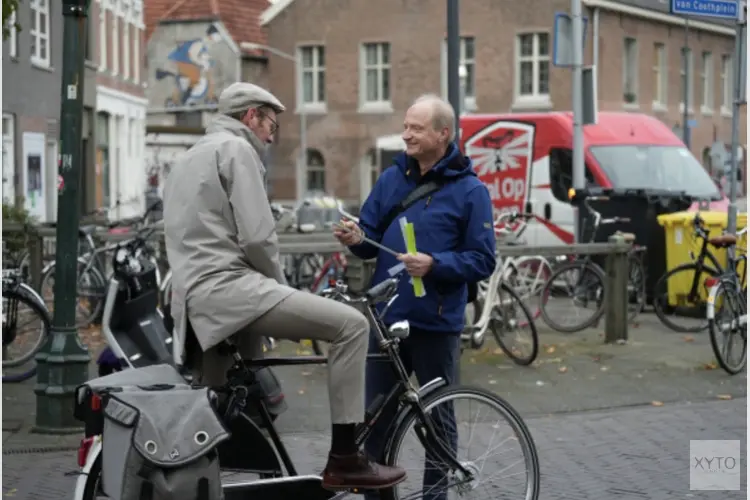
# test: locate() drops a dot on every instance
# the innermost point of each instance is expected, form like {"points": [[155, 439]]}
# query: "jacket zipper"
{"points": [[440, 304]]}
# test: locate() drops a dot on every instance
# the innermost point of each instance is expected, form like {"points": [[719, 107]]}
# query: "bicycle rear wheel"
{"points": [[91, 288], [19, 310], [673, 299], [573, 286], [491, 470], [726, 306], [513, 327], [636, 286]]}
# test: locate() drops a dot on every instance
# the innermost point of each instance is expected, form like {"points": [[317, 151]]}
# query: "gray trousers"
{"points": [[303, 315]]}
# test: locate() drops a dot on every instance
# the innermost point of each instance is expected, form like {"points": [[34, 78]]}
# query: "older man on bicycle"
{"points": [[227, 282]]}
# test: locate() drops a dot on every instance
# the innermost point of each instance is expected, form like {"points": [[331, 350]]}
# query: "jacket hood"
{"points": [[452, 164], [224, 123]]}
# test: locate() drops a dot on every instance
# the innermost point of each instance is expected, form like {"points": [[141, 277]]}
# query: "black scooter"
{"points": [[138, 333]]}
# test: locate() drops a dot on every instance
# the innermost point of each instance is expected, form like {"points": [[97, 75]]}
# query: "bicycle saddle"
{"points": [[723, 241], [628, 237], [87, 230]]}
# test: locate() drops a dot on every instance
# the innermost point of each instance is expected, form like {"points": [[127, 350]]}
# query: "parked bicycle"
{"points": [[582, 280], [680, 295], [726, 309], [502, 311], [418, 408], [26, 326]]}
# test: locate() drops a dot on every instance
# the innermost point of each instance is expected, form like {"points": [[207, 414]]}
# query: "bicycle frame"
{"points": [[241, 376]]}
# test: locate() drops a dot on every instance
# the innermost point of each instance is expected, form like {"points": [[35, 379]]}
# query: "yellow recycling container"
{"points": [[683, 246]]}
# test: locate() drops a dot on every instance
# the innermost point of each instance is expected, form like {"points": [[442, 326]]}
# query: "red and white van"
{"points": [[525, 160]]}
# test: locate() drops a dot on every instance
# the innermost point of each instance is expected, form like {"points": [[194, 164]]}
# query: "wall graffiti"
{"points": [[190, 70]]}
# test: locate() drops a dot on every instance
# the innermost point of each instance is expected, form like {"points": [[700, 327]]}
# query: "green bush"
{"points": [[15, 244]]}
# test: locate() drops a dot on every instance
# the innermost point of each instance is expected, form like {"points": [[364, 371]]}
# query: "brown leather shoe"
{"points": [[345, 472]]}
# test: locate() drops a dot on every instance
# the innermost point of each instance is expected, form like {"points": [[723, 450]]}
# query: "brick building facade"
{"points": [[361, 63]]}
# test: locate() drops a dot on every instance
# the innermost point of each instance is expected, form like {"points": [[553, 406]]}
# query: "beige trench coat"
{"points": [[220, 236]]}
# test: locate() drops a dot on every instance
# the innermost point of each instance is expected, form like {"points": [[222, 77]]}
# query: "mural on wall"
{"points": [[190, 69]]}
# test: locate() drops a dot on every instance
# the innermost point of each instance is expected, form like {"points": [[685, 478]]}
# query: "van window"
{"points": [[561, 173], [671, 168]]}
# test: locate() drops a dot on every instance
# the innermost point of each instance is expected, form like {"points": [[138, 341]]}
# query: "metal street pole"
{"points": [[453, 55], [63, 363], [579, 166], [739, 60], [685, 83]]}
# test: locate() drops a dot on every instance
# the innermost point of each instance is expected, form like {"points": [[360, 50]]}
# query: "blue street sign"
{"points": [[724, 9]]}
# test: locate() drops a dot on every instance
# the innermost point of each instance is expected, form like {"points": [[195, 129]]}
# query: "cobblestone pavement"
{"points": [[625, 454]]}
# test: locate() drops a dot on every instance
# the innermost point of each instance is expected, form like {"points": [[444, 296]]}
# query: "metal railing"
{"points": [[360, 272]]}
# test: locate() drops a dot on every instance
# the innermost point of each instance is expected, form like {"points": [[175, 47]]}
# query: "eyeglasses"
{"points": [[274, 123]]}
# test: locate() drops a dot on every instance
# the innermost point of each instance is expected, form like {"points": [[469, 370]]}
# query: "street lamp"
{"points": [[302, 157], [63, 362]]}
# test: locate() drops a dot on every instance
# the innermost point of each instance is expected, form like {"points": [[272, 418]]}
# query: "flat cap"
{"points": [[241, 96]]}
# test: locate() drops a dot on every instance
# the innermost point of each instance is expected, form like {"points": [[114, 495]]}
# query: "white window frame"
{"points": [[661, 78], [137, 54], [536, 99], [9, 139], [690, 80], [102, 41], [39, 7], [13, 37], [379, 105], [126, 41], [115, 34], [316, 70], [727, 84], [470, 99], [630, 71], [707, 83]]}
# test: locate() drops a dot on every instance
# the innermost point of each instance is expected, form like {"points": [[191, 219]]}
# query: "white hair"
{"points": [[442, 113]]}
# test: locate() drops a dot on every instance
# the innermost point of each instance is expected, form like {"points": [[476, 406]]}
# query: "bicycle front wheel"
{"points": [[91, 288], [726, 308], [514, 328], [497, 449], [575, 289]]}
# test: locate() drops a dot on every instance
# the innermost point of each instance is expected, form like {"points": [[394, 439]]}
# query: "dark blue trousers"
{"points": [[428, 355]]}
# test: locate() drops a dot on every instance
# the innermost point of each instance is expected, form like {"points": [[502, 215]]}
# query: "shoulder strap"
{"points": [[421, 191]]}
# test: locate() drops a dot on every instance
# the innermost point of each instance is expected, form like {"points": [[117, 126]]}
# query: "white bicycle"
{"points": [[501, 308]]}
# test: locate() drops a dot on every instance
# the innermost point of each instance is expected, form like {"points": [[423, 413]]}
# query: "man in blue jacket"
{"points": [[456, 245]]}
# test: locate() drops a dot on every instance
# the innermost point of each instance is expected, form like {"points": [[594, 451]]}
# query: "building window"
{"points": [[40, 32], [102, 36], [316, 171], [660, 75], [687, 54], [115, 43], [102, 160], [376, 74], [727, 70], [312, 67], [630, 71], [532, 66], [9, 164], [12, 36], [707, 82], [467, 60], [126, 42]]}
